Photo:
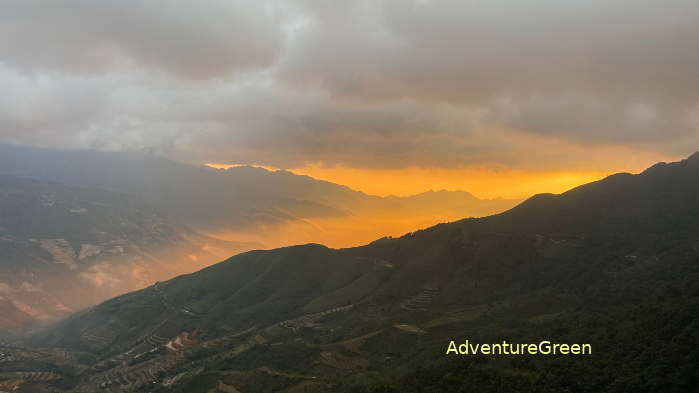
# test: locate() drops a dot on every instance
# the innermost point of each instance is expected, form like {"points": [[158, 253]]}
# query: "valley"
{"points": [[79, 227]]}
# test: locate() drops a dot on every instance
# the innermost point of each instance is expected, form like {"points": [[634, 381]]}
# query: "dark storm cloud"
{"points": [[364, 83]]}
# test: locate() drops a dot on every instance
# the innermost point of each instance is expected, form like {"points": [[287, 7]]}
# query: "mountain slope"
{"points": [[661, 199], [614, 264], [64, 248]]}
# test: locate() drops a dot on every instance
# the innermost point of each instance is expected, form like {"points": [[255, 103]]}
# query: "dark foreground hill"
{"points": [[613, 264]]}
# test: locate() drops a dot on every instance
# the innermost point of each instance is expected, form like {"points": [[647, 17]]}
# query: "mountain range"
{"points": [[613, 264], [245, 203], [79, 227]]}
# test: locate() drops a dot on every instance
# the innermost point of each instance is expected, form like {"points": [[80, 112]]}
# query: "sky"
{"points": [[497, 97]]}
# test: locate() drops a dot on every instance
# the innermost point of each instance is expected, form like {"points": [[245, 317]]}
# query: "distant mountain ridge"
{"points": [[237, 198]]}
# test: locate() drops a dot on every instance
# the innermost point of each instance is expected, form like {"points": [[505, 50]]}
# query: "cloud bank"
{"points": [[370, 84]]}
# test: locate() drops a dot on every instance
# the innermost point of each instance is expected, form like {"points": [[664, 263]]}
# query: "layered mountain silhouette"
{"points": [[91, 225], [245, 200], [613, 264]]}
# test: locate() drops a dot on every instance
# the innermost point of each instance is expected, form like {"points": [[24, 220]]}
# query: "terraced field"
{"points": [[32, 376], [98, 338], [422, 300], [309, 320]]}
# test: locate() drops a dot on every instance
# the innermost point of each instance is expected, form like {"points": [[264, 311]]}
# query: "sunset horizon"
{"points": [[481, 182]]}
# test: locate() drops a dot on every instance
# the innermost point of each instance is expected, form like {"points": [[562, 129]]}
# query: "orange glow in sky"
{"points": [[484, 183], [481, 181], [362, 227]]}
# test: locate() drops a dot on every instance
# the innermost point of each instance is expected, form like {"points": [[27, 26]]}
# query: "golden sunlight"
{"points": [[483, 183]]}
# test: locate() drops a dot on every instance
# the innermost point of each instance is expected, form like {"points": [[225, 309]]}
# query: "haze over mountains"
{"points": [[612, 263], [65, 248], [78, 227], [247, 203]]}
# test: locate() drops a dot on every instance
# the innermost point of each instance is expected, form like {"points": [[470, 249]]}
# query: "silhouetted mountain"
{"points": [[662, 199], [613, 264], [64, 248], [237, 199], [194, 194]]}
